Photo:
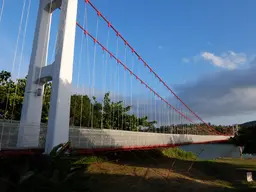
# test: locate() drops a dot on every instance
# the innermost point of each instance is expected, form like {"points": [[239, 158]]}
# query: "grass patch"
{"points": [[159, 170], [151, 176], [246, 164], [89, 160], [179, 154]]}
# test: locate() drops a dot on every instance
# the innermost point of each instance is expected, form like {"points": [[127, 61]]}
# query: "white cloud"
{"points": [[229, 60], [223, 94], [223, 97]]}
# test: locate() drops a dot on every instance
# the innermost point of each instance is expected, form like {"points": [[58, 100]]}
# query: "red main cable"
{"points": [[143, 61], [139, 79]]}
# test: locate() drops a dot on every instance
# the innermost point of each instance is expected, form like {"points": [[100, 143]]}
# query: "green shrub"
{"points": [[89, 160], [179, 154]]}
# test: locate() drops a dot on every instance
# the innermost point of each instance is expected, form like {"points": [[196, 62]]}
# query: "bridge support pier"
{"points": [[60, 72]]}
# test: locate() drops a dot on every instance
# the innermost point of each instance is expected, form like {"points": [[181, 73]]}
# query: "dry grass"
{"points": [[112, 177], [157, 171], [136, 172]]}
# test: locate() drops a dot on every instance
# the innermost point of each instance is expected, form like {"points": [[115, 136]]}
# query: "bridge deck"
{"points": [[83, 151], [87, 140]]}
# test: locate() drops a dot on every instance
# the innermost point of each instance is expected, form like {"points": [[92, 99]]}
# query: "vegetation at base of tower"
{"points": [[87, 112], [246, 138], [53, 172]]}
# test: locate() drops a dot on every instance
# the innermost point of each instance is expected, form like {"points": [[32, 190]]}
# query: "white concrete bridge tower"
{"points": [[59, 72]]}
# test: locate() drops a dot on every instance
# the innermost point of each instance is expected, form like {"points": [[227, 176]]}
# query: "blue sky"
{"points": [[185, 42]]}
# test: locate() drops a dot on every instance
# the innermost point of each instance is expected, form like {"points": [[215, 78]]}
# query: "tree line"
{"points": [[84, 111], [88, 112]]}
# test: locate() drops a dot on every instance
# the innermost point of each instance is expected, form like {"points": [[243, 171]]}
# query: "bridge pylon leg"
{"points": [[29, 129], [59, 114], [60, 72]]}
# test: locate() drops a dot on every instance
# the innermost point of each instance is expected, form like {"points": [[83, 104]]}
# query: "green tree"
{"points": [[80, 110], [245, 137], [46, 102], [84, 111], [107, 111], [7, 94]]}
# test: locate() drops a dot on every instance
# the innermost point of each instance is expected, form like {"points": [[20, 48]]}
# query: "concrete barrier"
{"points": [[105, 138]]}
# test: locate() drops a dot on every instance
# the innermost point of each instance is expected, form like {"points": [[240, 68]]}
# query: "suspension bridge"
{"points": [[87, 84]]}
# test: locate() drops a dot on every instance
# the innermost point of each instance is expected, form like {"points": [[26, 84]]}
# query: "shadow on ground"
{"points": [[226, 170], [147, 183], [149, 171]]}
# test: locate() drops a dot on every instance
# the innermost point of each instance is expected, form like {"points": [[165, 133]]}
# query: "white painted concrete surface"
{"points": [[32, 104], [60, 72], [96, 138], [104, 138], [58, 124]]}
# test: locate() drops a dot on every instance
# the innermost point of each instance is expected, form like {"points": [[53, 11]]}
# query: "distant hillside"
{"points": [[247, 124]]}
